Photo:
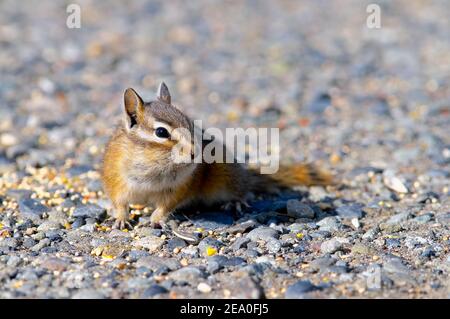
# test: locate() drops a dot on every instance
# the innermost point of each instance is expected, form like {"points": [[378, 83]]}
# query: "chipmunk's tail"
{"points": [[302, 174], [293, 175]]}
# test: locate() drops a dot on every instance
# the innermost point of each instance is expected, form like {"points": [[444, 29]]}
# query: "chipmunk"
{"points": [[138, 165]]}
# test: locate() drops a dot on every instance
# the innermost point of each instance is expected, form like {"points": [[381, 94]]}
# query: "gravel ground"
{"points": [[371, 105]]}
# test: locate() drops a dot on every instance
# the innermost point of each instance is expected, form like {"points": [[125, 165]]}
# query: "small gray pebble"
{"points": [[297, 209], [350, 211], [299, 289], [262, 233], [154, 290]]}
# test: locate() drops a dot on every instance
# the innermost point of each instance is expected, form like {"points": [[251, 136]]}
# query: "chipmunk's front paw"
{"points": [[158, 218], [122, 224]]}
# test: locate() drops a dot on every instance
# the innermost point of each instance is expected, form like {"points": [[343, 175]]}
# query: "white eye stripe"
{"points": [[145, 135]]}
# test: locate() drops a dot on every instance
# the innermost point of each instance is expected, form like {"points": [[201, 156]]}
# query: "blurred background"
{"points": [[340, 91]]}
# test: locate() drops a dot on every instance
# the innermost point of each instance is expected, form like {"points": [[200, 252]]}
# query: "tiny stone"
{"points": [[350, 211], [19, 194], [362, 249], [398, 218], [299, 289], [240, 243], [49, 225], [428, 253], [393, 182], [28, 242], [191, 252], [296, 227], [322, 263], [78, 223], [242, 227], [43, 243], [14, 261], [90, 228], [320, 234], [273, 245], [88, 294], [330, 246], [296, 209], [143, 271], [390, 228], [371, 233], [355, 223], [152, 243], [55, 264], [31, 208], [154, 263], [187, 274], [263, 233], [329, 224], [423, 219], [154, 290], [395, 265], [204, 288], [373, 281], [392, 243], [89, 211], [134, 255], [175, 243], [9, 242], [443, 219]]}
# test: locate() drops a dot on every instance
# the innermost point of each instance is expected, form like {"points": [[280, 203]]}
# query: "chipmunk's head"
{"points": [[159, 129]]}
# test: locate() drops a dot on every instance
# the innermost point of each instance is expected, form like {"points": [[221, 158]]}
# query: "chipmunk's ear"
{"points": [[134, 107], [163, 93]]}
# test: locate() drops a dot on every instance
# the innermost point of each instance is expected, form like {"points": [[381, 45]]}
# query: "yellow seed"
{"points": [[299, 235], [232, 116], [335, 158], [108, 257], [184, 262], [18, 284], [211, 251], [5, 233]]}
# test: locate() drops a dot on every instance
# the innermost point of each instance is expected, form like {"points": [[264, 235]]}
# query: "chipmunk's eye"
{"points": [[162, 132]]}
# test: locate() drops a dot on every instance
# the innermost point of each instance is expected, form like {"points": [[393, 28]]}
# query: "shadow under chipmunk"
{"points": [[264, 210]]}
